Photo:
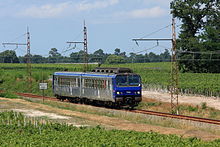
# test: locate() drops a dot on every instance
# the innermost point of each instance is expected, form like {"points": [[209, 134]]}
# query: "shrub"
{"points": [[204, 105]]}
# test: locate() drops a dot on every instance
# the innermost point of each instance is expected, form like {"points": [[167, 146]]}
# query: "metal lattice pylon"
{"points": [[174, 88], [29, 60], [85, 48]]}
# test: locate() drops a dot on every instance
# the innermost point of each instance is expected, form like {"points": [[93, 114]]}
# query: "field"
{"points": [[155, 76], [19, 130]]}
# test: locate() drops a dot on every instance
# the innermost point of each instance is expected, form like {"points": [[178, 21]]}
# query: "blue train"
{"points": [[105, 86]]}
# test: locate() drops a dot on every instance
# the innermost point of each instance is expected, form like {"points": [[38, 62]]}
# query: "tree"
{"points": [[117, 51], [165, 56], [139, 58], [9, 56], [98, 56], [153, 57], [37, 59], [132, 57], [99, 52], [199, 36], [123, 54], [77, 57], [54, 52], [114, 59], [54, 56], [24, 58]]}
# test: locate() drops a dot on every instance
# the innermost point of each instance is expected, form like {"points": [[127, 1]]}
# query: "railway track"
{"points": [[183, 117], [161, 114], [36, 96]]}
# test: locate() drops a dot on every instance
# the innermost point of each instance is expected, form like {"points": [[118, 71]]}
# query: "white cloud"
{"points": [[143, 13], [158, 2], [96, 5], [66, 8], [45, 11], [152, 12]]}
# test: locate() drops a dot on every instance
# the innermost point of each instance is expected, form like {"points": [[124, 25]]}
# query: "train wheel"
{"points": [[60, 98], [131, 107]]}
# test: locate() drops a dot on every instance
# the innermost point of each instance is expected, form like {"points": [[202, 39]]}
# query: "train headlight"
{"points": [[118, 92], [138, 92]]}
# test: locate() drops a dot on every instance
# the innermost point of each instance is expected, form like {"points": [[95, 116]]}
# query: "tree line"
{"points": [[9, 56]]}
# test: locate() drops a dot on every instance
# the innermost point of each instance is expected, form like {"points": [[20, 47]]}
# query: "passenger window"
{"points": [[73, 82]]}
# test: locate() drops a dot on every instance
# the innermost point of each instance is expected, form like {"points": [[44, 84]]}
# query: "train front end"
{"points": [[127, 89]]}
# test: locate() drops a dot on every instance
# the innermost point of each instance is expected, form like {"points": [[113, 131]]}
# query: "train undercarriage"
{"points": [[120, 102]]}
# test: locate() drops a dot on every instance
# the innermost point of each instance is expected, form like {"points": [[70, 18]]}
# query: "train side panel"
{"points": [[97, 88], [67, 85], [90, 86]]}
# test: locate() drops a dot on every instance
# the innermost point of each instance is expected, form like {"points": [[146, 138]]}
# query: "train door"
{"points": [[79, 86], [55, 84], [72, 82]]}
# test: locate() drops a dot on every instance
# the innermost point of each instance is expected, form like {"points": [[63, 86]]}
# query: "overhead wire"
{"points": [[16, 45], [147, 49], [68, 48], [191, 52], [156, 31], [18, 37]]}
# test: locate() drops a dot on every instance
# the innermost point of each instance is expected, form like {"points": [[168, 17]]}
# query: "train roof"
{"points": [[115, 70], [92, 74]]}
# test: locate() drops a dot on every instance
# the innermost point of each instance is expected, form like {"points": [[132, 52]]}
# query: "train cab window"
{"points": [[128, 80]]}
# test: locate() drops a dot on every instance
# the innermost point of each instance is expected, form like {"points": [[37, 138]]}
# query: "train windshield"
{"points": [[128, 80]]}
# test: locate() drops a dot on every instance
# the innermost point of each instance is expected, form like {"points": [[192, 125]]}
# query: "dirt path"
{"points": [[195, 100], [115, 123]]}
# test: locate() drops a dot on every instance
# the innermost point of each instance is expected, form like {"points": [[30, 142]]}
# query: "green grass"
{"points": [[154, 75], [8, 94], [15, 130]]}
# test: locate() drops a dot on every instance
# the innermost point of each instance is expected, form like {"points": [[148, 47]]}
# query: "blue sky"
{"points": [[111, 24]]}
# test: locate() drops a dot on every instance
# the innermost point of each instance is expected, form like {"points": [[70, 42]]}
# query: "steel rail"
{"points": [[185, 117]]}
